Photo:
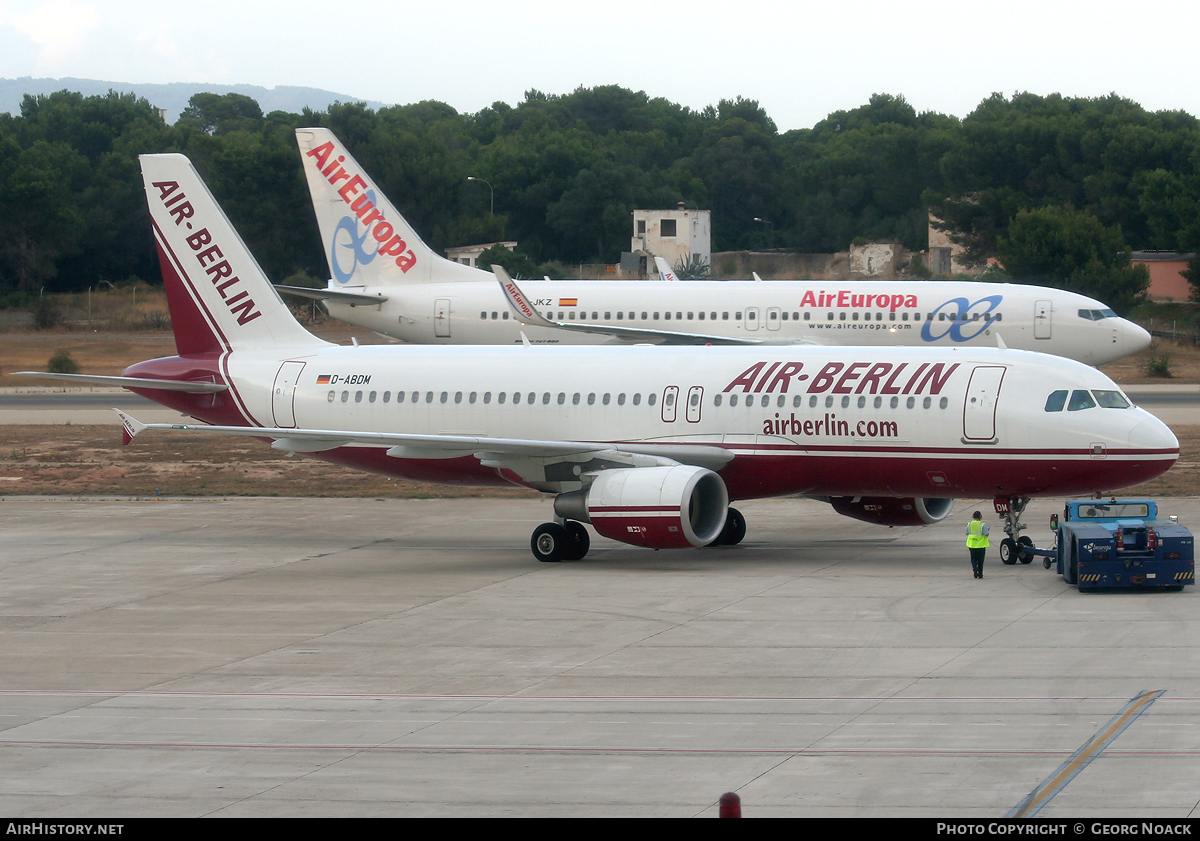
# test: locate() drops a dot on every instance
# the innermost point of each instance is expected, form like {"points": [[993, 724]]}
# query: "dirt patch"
{"points": [[108, 354], [1184, 364], [90, 460]]}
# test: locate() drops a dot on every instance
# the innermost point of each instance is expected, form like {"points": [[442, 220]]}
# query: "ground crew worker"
{"points": [[977, 542]]}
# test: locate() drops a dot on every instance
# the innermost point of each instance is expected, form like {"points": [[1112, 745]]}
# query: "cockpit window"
{"points": [[1056, 401], [1097, 315], [1111, 399], [1081, 399]]}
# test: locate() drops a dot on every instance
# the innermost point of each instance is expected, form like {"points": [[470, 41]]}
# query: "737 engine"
{"points": [[890, 511], [674, 507]]}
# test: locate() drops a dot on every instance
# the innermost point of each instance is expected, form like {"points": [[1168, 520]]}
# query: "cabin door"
{"points": [[1042, 316], [283, 396], [979, 410], [441, 318]]}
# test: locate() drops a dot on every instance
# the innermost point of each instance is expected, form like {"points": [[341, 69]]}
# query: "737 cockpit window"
{"points": [[1097, 315]]}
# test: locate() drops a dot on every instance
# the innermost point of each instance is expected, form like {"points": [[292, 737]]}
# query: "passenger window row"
{"points": [[772, 314], [531, 398], [829, 401], [547, 398]]}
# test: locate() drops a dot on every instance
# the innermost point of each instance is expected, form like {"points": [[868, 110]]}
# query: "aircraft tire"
{"points": [[550, 543], [1008, 551], [735, 528], [579, 541], [1024, 542]]}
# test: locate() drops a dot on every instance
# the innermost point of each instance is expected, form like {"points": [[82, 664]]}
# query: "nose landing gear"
{"points": [[1011, 508]]}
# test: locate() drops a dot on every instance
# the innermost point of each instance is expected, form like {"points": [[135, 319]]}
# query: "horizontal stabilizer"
{"points": [[350, 298], [130, 426], [190, 387]]}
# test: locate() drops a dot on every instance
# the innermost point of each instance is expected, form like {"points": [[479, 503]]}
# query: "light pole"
{"points": [[770, 231], [492, 209]]}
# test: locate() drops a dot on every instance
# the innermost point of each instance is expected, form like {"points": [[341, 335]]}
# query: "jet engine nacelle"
{"points": [[890, 511], [657, 507]]}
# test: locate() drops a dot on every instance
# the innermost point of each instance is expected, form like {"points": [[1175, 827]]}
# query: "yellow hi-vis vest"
{"points": [[976, 539]]}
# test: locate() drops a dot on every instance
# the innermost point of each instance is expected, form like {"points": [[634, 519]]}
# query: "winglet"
{"points": [[664, 269], [130, 426], [520, 305]]}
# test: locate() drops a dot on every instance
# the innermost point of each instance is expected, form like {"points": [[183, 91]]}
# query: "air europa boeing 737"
{"points": [[648, 444], [383, 277]]}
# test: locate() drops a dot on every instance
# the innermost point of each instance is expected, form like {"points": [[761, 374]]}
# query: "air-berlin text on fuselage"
{"points": [[845, 378], [391, 244], [208, 255], [846, 298]]}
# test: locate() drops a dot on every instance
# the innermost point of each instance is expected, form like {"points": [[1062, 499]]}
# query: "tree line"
{"points": [[1058, 188]]}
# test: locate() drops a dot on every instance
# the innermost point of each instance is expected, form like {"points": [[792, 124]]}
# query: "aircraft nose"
{"points": [[1133, 337], [1152, 434]]}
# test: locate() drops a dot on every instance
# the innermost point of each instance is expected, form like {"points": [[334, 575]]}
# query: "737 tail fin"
{"points": [[664, 269], [218, 296], [367, 241]]}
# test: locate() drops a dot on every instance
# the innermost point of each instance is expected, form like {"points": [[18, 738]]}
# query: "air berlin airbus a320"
{"points": [[647, 444]]}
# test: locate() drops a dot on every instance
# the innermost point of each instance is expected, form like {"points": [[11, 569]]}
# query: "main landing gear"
{"points": [[552, 542], [569, 540], [734, 531], [1011, 508]]}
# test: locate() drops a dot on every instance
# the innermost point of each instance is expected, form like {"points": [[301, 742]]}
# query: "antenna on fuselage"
{"points": [[1000, 342]]}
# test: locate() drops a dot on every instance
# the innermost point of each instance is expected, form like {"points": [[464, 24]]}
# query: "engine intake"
{"points": [[890, 511], [656, 507]]}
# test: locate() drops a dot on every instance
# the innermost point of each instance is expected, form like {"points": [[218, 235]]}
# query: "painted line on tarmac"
{"points": [[989, 700], [1089, 750]]}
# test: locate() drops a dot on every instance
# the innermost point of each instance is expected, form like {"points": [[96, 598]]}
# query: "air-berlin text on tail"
{"points": [[208, 254], [845, 378], [369, 215]]}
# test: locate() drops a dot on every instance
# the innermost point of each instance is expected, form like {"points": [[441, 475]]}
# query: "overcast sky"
{"points": [[800, 60]]}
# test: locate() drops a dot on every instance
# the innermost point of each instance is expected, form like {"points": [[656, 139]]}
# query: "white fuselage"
{"points": [[877, 313], [897, 422]]}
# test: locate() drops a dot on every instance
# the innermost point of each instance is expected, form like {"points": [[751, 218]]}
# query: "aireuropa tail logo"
{"points": [[367, 212], [962, 326], [349, 247]]}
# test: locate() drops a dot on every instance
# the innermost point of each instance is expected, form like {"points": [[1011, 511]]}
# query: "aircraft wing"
{"points": [[351, 298], [527, 314], [130, 382], [499, 451]]}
